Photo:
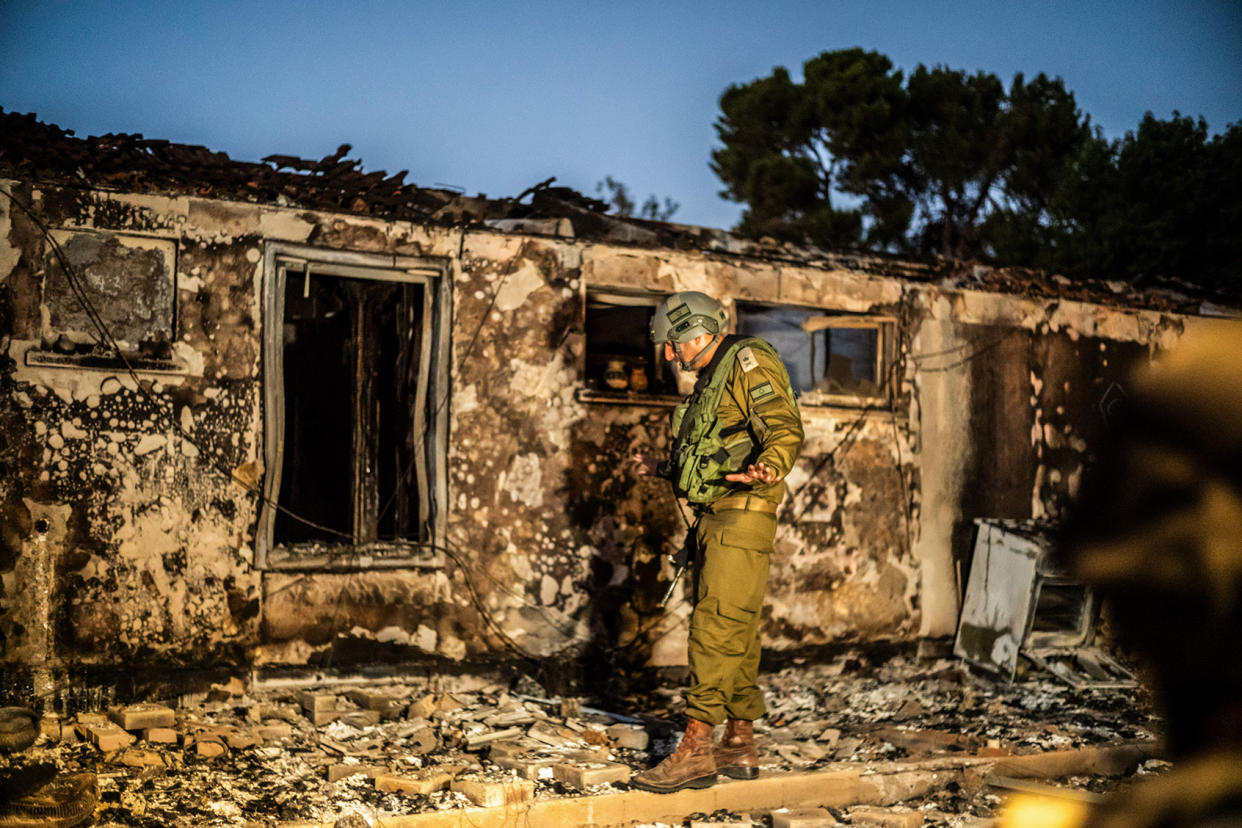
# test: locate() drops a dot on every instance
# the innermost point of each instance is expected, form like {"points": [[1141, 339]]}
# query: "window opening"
{"points": [[358, 445], [831, 358], [621, 360]]}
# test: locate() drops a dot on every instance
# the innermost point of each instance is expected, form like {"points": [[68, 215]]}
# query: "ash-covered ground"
{"points": [[250, 755]]}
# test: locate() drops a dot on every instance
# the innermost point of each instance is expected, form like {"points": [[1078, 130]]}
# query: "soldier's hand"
{"points": [[647, 465], [755, 473]]}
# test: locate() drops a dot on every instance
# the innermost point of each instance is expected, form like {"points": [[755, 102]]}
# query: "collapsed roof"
{"points": [[128, 162]]}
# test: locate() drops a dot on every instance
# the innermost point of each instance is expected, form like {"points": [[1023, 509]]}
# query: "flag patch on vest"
{"points": [[761, 391], [747, 359]]}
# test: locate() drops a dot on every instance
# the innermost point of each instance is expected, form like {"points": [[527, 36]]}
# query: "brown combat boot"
{"points": [[690, 766], [736, 756]]}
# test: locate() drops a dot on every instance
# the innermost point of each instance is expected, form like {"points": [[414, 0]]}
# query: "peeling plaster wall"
{"points": [[147, 548]]}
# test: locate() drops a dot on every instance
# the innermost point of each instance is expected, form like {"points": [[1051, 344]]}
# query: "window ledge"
{"points": [[822, 400], [324, 557], [99, 362], [588, 395]]}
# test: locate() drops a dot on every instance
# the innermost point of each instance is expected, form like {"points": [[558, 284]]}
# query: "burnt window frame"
{"points": [[827, 317], [284, 260]]}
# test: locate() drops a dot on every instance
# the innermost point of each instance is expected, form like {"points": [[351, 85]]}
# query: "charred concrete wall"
{"points": [[130, 519]]}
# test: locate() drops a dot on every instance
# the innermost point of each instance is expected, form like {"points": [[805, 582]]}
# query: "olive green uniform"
{"points": [[735, 532]]}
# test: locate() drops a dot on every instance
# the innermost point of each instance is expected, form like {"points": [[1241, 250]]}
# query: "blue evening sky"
{"points": [[493, 97]]}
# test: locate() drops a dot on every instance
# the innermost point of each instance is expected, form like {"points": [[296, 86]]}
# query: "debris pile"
{"points": [[247, 756]]}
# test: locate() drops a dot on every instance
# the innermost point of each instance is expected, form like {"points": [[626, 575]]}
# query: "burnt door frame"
{"points": [[283, 261]]}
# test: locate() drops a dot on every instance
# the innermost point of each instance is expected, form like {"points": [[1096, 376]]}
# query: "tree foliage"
{"points": [[623, 205], [943, 162]]}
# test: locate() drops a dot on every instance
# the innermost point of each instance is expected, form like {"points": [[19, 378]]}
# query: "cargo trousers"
{"points": [[734, 548]]}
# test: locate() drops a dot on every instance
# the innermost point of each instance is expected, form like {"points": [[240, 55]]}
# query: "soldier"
{"points": [[735, 438]]}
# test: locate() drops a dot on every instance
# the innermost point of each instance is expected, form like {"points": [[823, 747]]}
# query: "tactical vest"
{"points": [[703, 452]]}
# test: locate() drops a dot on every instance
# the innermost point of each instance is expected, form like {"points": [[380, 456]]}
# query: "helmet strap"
{"points": [[700, 359]]}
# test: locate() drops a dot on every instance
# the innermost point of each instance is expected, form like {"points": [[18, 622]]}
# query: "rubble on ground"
{"points": [[249, 756]]}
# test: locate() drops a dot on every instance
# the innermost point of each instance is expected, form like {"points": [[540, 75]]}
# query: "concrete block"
{"points": [[628, 736], [583, 776], [108, 737], [421, 708], [160, 735], [315, 702], [489, 794], [866, 815], [144, 716], [319, 718], [423, 782], [803, 818]]}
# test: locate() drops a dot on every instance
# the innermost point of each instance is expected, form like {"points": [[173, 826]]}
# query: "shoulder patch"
{"points": [[761, 391], [747, 359]]}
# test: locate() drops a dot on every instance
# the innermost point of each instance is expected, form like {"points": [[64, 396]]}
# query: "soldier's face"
{"points": [[690, 349]]}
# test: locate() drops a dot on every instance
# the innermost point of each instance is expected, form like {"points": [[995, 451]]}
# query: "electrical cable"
{"points": [[106, 338]]}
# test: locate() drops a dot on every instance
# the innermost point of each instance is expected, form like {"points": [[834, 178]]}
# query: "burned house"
{"points": [[287, 413]]}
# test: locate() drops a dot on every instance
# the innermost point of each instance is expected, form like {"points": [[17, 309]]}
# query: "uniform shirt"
{"points": [[755, 390]]}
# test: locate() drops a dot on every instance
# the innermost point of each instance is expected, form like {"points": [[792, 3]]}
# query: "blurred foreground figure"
{"points": [[1159, 533]]}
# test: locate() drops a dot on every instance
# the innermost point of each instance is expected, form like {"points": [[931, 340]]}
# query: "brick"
{"points": [[587, 776], [628, 736], [866, 815], [108, 737], [424, 782], [803, 818], [160, 735], [488, 794], [274, 731], [209, 748], [144, 716]]}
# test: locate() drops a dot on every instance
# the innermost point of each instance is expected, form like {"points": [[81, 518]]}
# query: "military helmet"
{"points": [[685, 315]]}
